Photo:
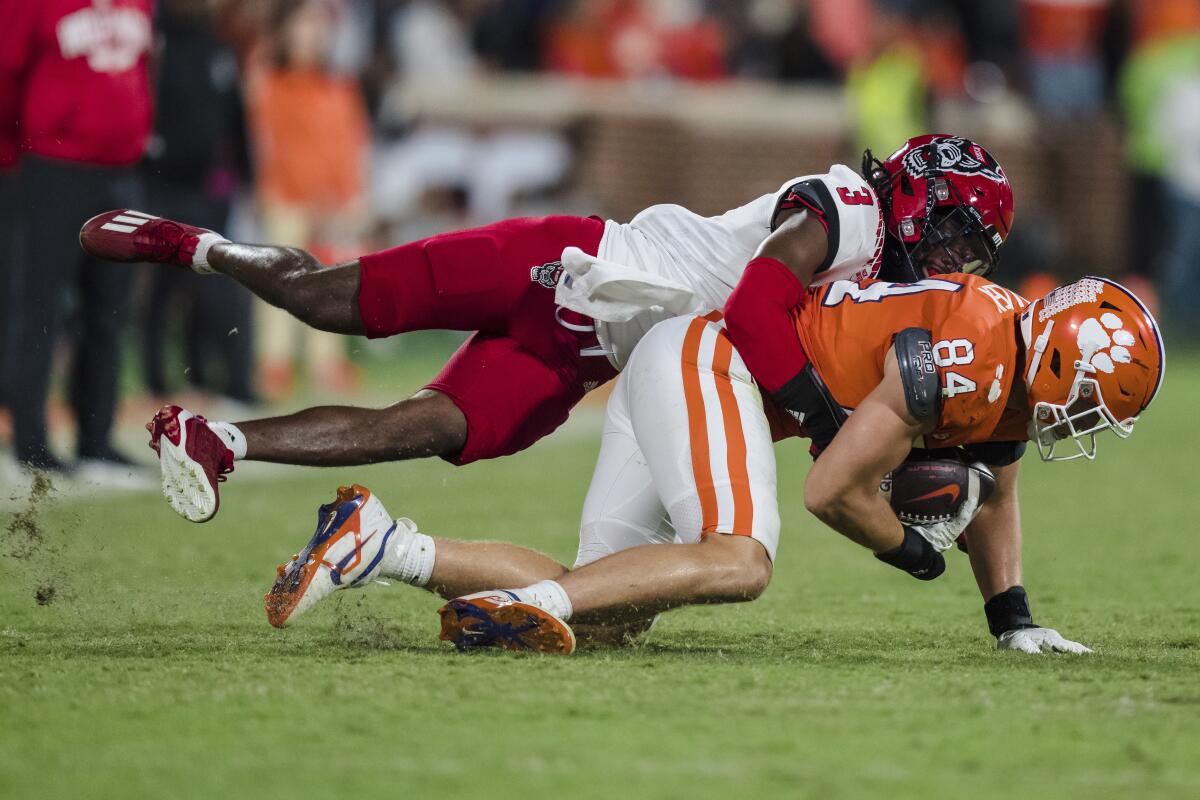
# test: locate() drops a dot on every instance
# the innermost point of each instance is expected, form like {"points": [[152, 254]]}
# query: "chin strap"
{"points": [[1039, 347]]}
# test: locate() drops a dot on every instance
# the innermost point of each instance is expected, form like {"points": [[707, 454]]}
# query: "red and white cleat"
{"points": [[133, 237], [499, 619], [194, 460]]}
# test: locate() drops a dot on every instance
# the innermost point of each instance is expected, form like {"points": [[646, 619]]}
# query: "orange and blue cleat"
{"points": [[351, 540], [499, 619]]}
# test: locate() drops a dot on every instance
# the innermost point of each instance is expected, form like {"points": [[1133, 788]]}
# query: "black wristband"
{"points": [[1008, 611], [916, 556]]}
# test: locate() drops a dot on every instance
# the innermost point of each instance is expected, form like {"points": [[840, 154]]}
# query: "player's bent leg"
{"points": [[464, 567], [695, 416], [292, 279], [322, 297], [623, 589], [639, 583], [325, 298], [427, 424], [195, 455], [357, 541], [622, 508], [698, 417]]}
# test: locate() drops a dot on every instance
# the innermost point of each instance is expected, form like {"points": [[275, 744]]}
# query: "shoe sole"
{"points": [[520, 627], [185, 484], [281, 602]]}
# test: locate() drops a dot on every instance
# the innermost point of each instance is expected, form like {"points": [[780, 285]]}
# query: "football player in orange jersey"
{"points": [[558, 303], [687, 458]]}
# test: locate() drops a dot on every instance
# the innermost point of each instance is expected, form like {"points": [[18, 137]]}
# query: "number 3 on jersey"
{"points": [[954, 353], [860, 198]]}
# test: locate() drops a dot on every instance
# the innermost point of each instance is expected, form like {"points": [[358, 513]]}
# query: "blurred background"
{"points": [[346, 126]]}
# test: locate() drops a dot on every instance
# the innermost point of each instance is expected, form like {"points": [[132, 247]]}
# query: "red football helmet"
{"points": [[1094, 360], [947, 206]]}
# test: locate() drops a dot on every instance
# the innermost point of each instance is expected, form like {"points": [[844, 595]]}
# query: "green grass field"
{"points": [[147, 669]]}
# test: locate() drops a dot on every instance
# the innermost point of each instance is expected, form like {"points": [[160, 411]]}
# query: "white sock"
{"points": [[233, 438], [410, 557], [203, 245], [548, 596]]}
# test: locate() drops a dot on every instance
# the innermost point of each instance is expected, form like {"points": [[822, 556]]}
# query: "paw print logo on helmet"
{"points": [[1094, 361], [947, 205]]}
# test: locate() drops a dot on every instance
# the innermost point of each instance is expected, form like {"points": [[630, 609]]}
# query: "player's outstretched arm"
{"points": [[994, 539], [758, 313], [843, 486]]}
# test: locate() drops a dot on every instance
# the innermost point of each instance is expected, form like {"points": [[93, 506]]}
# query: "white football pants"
{"points": [[686, 449]]}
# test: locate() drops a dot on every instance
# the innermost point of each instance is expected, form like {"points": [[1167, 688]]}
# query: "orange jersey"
{"points": [[847, 328]]}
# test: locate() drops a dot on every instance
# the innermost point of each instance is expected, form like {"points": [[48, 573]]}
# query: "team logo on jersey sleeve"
{"points": [[952, 154], [547, 274]]}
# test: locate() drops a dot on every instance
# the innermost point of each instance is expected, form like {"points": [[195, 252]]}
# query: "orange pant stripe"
{"points": [[735, 439], [698, 424]]}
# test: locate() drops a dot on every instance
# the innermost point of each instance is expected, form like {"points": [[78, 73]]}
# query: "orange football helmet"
{"points": [[1094, 360]]}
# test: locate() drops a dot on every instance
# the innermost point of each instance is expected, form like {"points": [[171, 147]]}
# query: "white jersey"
{"points": [[703, 258]]}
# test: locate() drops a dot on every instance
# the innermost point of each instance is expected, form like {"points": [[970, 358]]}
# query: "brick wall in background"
{"points": [[712, 148]]}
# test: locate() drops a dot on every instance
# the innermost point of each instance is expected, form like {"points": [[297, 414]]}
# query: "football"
{"points": [[931, 488]]}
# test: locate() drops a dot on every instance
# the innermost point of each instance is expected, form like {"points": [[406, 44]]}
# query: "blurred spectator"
{"points": [[842, 28], [1062, 40], [990, 32], [1162, 19], [196, 158], [430, 43], [488, 168], [772, 39], [580, 42], [888, 92], [638, 40], [510, 34], [1179, 121], [75, 100], [310, 140], [1147, 75], [944, 56]]}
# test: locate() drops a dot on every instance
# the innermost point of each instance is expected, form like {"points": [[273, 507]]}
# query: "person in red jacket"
{"points": [[75, 116]]}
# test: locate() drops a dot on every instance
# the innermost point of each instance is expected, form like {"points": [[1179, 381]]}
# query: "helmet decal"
{"points": [[1094, 338], [952, 154], [1073, 294]]}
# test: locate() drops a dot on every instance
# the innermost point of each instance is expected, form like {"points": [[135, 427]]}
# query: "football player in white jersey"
{"points": [[672, 442], [687, 462], [556, 303]]}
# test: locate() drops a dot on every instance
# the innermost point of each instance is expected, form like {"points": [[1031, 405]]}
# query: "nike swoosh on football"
{"points": [[950, 489]]}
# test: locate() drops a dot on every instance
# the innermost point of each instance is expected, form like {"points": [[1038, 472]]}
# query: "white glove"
{"points": [[1038, 640], [942, 535]]}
